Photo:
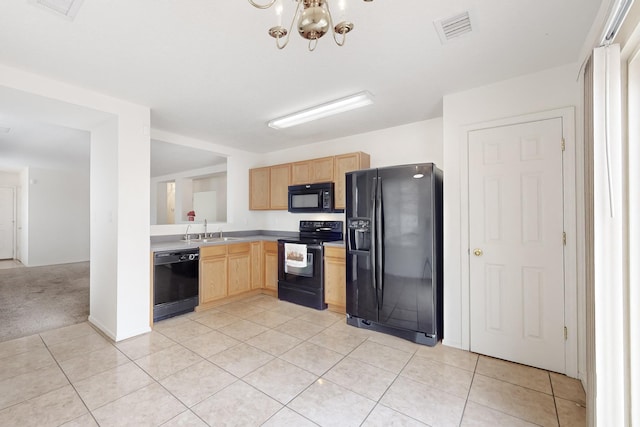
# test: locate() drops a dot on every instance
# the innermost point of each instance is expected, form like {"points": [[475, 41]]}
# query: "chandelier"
{"points": [[314, 21]]}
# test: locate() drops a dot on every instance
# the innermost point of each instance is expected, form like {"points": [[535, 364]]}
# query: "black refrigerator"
{"points": [[394, 251]]}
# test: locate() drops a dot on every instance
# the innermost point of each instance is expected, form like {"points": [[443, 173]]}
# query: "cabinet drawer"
{"points": [[334, 252], [218, 250], [271, 246], [238, 248]]}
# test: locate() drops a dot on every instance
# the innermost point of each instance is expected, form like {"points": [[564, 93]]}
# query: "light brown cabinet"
{"points": [[268, 187], [259, 184], [271, 265], [235, 269], [257, 263], [347, 163], [312, 171], [335, 278], [213, 273], [280, 176], [239, 268]]}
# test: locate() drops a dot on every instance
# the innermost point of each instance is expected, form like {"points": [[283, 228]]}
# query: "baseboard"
{"points": [[103, 329]]}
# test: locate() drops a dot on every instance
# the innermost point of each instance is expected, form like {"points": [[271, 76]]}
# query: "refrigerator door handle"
{"points": [[374, 247], [378, 239]]}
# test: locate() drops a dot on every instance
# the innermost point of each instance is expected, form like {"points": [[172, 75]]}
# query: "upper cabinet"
{"points": [[268, 186], [312, 171], [259, 188], [279, 186], [347, 163]]}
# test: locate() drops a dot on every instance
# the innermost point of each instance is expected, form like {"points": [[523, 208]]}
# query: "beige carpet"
{"points": [[36, 299]]}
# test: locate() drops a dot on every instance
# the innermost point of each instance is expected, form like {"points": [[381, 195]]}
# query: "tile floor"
{"points": [[261, 361]]}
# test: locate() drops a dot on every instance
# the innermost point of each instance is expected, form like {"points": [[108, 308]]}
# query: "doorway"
{"points": [[568, 297], [7, 223], [516, 240]]}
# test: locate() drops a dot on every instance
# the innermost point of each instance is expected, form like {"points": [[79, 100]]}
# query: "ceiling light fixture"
{"points": [[341, 105], [314, 21]]}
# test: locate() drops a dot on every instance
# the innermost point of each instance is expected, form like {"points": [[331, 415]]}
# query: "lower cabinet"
{"points": [[335, 293], [233, 269], [271, 265], [257, 266], [239, 265], [213, 273]]}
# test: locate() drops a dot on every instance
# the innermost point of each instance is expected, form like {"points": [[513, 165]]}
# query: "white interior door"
{"points": [[7, 223], [516, 242]]}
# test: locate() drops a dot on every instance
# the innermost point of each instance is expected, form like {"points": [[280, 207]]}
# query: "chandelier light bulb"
{"points": [[279, 9], [342, 8]]}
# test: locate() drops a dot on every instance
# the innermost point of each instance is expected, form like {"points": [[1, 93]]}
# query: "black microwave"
{"points": [[311, 198]]}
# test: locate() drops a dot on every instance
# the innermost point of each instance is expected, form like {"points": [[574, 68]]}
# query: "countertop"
{"points": [[177, 243]]}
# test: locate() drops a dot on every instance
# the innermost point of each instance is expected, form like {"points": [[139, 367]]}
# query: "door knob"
{"points": [[477, 252]]}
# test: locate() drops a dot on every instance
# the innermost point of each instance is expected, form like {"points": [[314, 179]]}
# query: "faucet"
{"points": [[205, 228], [221, 233], [186, 234]]}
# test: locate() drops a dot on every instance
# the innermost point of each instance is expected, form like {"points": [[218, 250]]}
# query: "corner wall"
{"points": [[125, 174]]}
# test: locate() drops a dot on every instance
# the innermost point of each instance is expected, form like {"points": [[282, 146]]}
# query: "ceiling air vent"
{"points": [[455, 26], [68, 8]]}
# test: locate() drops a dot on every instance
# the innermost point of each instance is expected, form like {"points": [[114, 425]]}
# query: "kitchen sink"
{"points": [[213, 239]]}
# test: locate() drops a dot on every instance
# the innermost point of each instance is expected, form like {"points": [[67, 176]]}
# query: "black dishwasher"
{"points": [[175, 282]]}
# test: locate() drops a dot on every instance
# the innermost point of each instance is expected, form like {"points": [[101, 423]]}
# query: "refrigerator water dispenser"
{"points": [[359, 234]]}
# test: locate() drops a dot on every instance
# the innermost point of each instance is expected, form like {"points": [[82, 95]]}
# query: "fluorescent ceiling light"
{"points": [[341, 105]]}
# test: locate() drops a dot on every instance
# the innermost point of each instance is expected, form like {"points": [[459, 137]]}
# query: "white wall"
{"points": [[547, 90], [133, 148], [218, 184], [52, 208], [9, 179], [104, 228], [58, 219]]}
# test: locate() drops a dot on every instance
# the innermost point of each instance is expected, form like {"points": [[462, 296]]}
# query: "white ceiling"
{"points": [[209, 70], [40, 145], [168, 158]]}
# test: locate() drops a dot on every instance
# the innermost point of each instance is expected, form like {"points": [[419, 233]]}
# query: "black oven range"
{"points": [[301, 266]]}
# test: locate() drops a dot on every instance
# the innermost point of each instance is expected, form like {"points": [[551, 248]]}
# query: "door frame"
{"points": [[15, 221], [570, 226]]}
